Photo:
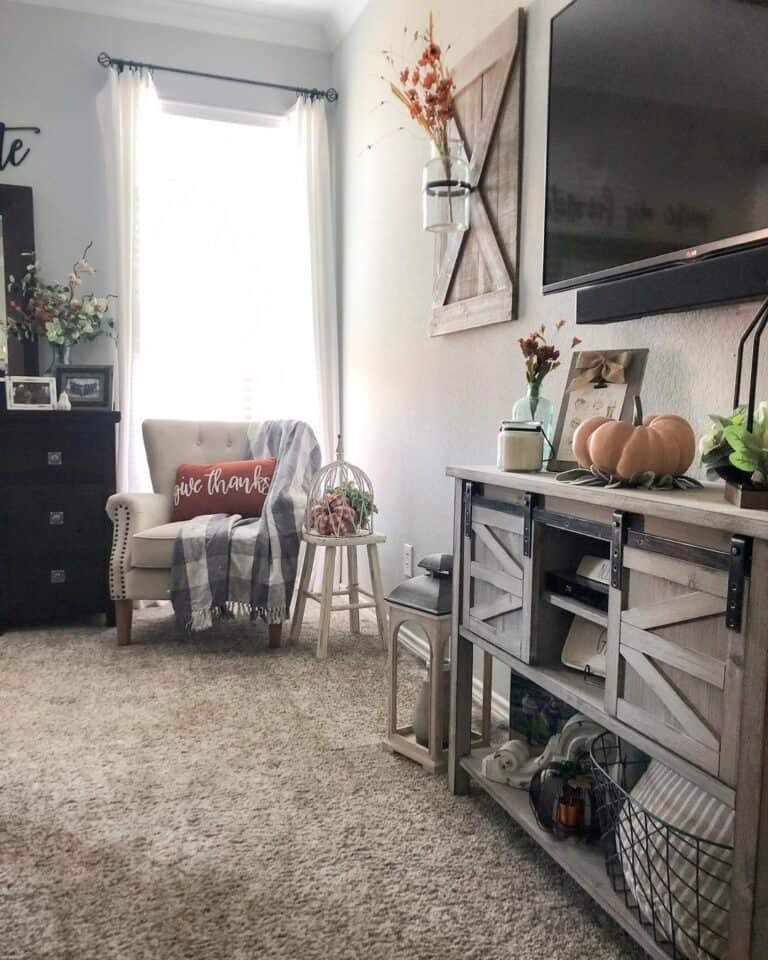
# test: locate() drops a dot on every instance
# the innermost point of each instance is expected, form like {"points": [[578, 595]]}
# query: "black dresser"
{"points": [[56, 471]]}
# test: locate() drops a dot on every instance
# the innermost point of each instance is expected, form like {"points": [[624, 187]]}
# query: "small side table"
{"points": [[353, 590]]}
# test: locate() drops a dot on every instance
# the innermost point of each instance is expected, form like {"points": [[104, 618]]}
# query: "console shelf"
{"points": [[583, 862], [576, 607], [588, 698]]}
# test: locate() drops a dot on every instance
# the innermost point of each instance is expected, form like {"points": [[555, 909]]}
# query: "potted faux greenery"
{"points": [[730, 450]]}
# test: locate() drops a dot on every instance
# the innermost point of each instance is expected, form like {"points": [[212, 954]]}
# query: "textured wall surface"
{"points": [[49, 77], [414, 404]]}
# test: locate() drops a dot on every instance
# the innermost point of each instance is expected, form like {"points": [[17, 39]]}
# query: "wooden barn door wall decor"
{"points": [[476, 282]]}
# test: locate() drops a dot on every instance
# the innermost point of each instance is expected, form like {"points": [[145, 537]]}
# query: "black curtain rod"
{"points": [[313, 93]]}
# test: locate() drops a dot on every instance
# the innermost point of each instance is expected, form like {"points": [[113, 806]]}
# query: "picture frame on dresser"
{"points": [[88, 386], [600, 383], [30, 393]]}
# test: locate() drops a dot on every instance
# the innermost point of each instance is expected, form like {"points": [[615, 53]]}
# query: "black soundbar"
{"points": [[724, 278]]}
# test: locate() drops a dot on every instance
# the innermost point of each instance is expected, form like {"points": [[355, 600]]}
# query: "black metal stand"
{"points": [[757, 326]]}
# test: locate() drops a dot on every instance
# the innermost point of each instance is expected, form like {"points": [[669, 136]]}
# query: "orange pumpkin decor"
{"points": [[664, 446]]}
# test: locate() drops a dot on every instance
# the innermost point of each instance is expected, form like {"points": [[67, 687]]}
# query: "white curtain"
{"points": [[310, 126], [127, 106], [134, 126]]}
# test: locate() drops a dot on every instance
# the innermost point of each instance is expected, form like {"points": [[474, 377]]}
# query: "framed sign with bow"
{"points": [[601, 383]]}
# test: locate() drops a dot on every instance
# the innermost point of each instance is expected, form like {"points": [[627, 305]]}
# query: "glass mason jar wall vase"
{"points": [[446, 191]]}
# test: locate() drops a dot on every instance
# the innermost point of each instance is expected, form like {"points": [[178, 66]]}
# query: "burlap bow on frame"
{"points": [[594, 368]]}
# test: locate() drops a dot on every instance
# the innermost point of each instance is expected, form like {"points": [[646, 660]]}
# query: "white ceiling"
{"points": [[316, 24]]}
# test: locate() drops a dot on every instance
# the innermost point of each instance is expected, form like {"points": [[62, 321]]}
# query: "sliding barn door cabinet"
{"points": [[686, 651]]}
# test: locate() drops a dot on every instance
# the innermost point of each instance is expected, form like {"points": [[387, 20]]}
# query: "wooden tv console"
{"points": [[687, 655]]}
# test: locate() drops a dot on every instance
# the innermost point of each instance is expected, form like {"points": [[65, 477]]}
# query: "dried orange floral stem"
{"points": [[427, 90]]}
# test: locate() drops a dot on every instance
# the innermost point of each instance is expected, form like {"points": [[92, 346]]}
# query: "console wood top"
{"points": [[705, 507]]}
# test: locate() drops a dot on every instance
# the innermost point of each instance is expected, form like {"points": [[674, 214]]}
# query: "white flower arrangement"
{"points": [[52, 310]]}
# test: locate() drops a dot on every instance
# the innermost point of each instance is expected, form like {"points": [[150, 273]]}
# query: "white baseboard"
{"points": [[418, 646]]}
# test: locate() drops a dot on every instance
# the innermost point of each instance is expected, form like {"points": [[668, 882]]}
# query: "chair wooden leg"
{"points": [[124, 620], [275, 632]]}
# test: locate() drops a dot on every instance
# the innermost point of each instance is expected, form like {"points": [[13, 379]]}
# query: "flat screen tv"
{"points": [[657, 149]]}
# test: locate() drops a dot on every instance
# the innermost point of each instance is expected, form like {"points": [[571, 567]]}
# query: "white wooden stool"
{"points": [[353, 589]]}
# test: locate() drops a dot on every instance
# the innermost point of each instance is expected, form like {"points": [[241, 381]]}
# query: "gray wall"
{"points": [[49, 77], [414, 404]]}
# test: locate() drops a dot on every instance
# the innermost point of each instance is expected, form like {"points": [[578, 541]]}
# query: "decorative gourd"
{"points": [[664, 445]]}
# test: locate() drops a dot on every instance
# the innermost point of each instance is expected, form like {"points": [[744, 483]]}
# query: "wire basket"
{"points": [[340, 501], [677, 883]]}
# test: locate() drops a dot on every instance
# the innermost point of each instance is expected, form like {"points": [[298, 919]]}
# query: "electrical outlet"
{"points": [[407, 560]]}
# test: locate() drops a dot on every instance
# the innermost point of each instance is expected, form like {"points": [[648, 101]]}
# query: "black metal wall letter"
{"points": [[13, 152]]}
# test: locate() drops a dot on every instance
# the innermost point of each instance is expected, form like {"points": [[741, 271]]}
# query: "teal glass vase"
{"points": [[535, 406], [60, 355]]}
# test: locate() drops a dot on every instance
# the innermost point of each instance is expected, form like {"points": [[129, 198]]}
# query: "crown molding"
{"points": [[343, 15], [304, 32]]}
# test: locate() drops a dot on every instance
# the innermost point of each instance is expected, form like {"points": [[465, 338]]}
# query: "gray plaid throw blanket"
{"points": [[225, 565]]}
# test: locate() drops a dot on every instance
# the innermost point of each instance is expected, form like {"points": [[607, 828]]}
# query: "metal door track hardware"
{"points": [[741, 556]]}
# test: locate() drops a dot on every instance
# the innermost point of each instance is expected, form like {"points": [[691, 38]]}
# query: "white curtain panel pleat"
{"points": [[310, 126], [128, 105]]}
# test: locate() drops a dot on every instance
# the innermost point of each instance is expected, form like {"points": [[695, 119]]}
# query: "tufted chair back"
{"points": [[171, 442]]}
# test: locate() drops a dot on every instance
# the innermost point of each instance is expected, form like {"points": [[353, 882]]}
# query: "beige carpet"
{"points": [[212, 800]]}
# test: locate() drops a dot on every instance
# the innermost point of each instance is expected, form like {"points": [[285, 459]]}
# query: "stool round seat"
{"points": [[363, 540]]}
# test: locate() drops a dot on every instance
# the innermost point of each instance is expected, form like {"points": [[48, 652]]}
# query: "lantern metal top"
{"points": [[340, 501], [431, 593]]}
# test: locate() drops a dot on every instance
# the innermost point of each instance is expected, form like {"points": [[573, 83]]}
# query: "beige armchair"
{"points": [[143, 537]]}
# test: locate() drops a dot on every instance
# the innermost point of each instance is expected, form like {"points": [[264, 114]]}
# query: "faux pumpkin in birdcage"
{"points": [[340, 502]]}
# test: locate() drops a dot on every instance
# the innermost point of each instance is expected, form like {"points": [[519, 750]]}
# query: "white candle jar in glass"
{"points": [[520, 446]]}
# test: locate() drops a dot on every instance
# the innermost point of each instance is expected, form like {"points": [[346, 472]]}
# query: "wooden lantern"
{"points": [[426, 602]]}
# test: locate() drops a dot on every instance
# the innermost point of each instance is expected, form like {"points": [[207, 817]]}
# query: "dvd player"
{"points": [[593, 593]]}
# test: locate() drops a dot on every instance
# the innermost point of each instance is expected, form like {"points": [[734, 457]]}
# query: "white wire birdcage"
{"points": [[340, 501]]}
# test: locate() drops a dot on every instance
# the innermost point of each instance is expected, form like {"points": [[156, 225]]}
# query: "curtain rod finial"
{"points": [[104, 59], [331, 95]]}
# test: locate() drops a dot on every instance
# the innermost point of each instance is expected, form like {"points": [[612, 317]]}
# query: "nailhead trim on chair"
{"points": [[118, 588]]}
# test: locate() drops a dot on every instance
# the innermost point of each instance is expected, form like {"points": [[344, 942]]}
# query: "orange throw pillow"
{"points": [[235, 486]]}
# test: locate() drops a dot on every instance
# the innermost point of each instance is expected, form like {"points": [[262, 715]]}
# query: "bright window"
{"points": [[225, 322]]}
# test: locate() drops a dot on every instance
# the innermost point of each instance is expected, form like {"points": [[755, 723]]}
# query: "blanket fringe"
{"points": [[204, 619]]}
